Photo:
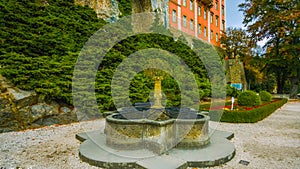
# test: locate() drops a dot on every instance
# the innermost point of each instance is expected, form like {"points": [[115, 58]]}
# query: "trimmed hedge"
{"points": [[249, 98], [254, 115], [265, 96]]}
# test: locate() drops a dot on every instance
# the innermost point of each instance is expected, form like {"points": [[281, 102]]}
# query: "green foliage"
{"points": [[142, 85], [252, 116], [265, 96], [125, 7], [40, 43], [231, 91], [249, 98], [238, 43], [282, 34]]}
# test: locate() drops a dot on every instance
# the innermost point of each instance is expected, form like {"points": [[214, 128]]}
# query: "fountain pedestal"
{"points": [[157, 136]]}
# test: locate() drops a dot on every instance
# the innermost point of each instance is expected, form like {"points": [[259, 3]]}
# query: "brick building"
{"points": [[204, 19]]}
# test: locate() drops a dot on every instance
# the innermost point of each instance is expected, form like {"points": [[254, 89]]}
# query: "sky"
{"points": [[234, 17]]}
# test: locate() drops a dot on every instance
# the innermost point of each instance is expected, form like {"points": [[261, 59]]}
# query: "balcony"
{"points": [[208, 3]]}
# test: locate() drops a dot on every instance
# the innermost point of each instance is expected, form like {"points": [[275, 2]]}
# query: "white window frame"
{"points": [[174, 15], [192, 24], [217, 5], [184, 21], [223, 10], [199, 28], [191, 5]]}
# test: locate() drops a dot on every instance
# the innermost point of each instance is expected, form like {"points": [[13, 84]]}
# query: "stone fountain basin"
{"points": [[157, 136]]}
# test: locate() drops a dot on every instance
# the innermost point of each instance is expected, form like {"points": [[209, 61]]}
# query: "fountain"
{"points": [[153, 135], [149, 136], [157, 128]]}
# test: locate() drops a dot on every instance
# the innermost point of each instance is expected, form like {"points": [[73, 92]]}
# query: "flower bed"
{"points": [[244, 114]]}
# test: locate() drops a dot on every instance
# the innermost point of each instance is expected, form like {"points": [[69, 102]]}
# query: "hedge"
{"points": [[254, 115]]}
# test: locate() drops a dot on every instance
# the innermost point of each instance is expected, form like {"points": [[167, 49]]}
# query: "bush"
{"points": [[231, 91], [265, 96], [249, 98], [252, 116]]}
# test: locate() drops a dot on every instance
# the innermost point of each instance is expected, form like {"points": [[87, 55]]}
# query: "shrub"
{"points": [[252, 116], [265, 96], [249, 98], [231, 91]]}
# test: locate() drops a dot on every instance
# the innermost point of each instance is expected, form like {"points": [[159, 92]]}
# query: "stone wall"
{"points": [[235, 72], [21, 109], [141, 23], [105, 9]]}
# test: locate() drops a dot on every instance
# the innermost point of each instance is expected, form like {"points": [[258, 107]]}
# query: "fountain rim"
{"points": [[111, 119]]}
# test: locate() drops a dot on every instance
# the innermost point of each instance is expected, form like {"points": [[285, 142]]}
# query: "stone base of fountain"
{"points": [[156, 135], [94, 151]]}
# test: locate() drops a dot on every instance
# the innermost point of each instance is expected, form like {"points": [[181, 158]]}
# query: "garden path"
{"points": [[271, 143]]}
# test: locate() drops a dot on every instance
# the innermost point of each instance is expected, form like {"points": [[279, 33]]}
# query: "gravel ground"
{"points": [[271, 143]]}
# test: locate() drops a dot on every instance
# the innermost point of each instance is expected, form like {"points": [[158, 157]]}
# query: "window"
{"points": [[211, 17], [174, 16], [184, 21], [217, 37], [199, 10], [211, 35], [191, 24], [223, 10], [191, 5], [184, 2], [205, 31], [217, 20], [199, 29], [217, 5], [205, 13], [223, 25]]}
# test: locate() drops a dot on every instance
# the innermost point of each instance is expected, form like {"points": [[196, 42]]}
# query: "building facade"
{"points": [[204, 19]]}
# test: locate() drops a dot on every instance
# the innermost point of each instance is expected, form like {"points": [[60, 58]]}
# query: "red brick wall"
{"points": [[185, 11], [173, 6], [190, 14]]}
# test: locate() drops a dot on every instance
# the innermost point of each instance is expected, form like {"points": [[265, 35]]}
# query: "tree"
{"points": [[238, 44], [277, 21]]}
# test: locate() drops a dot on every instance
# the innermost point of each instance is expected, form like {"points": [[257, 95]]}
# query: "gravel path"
{"points": [[271, 143]]}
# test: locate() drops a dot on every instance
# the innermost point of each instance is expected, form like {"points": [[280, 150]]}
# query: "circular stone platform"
{"points": [[219, 151]]}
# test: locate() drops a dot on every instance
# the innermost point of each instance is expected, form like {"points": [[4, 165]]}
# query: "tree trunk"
{"points": [[279, 88], [294, 87], [280, 83], [295, 84]]}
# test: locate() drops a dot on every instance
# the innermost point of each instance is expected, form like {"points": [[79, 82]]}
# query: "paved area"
{"points": [[95, 151], [273, 143]]}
